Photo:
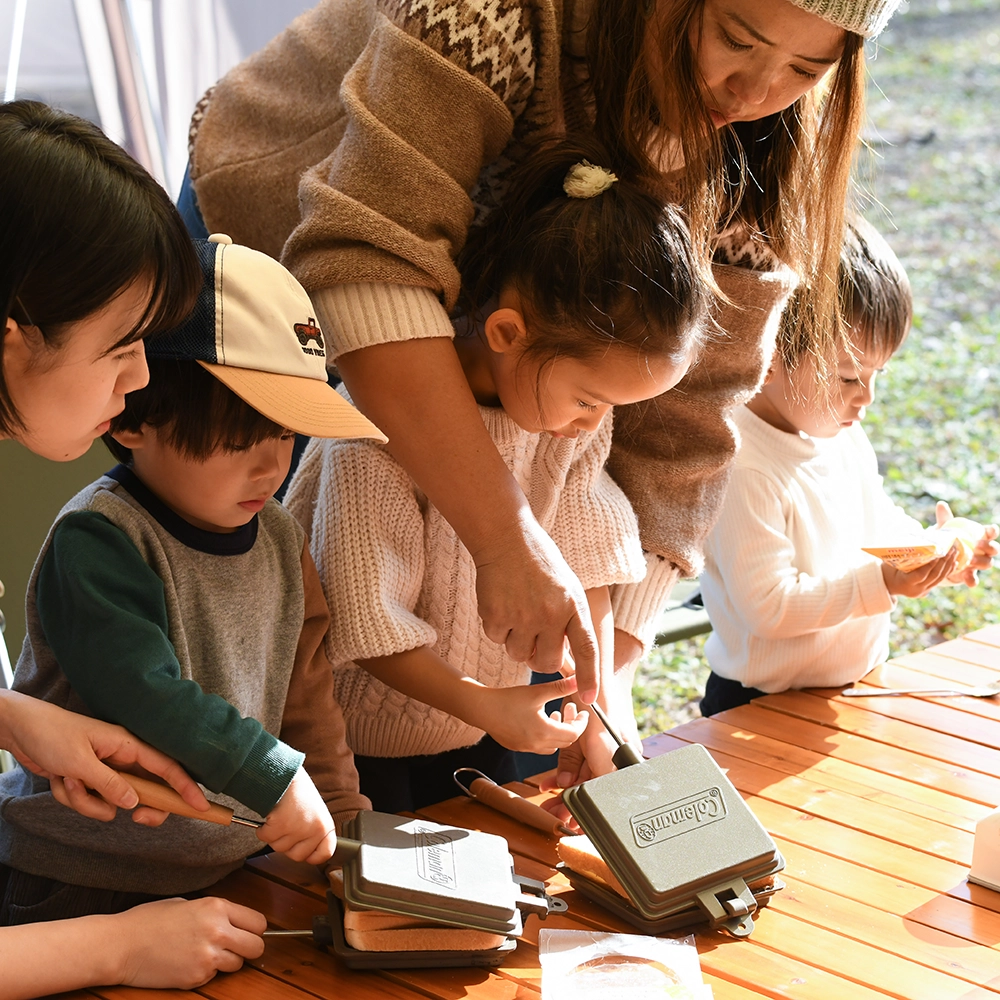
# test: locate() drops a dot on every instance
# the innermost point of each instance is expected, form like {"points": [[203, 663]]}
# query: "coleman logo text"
{"points": [[671, 820], [435, 858]]}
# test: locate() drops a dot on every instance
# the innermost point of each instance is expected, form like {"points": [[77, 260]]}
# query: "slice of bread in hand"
{"points": [[581, 855]]}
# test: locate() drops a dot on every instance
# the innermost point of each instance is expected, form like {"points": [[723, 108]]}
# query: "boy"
{"points": [[175, 597], [793, 600]]}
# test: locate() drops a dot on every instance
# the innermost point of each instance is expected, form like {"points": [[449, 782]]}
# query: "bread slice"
{"points": [[376, 930], [581, 855], [372, 930]]}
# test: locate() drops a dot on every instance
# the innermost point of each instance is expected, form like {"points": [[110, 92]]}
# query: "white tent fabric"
{"points": [[137, 67]]}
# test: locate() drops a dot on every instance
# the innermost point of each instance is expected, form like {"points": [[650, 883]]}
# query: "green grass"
{"points": [[933, 179]]}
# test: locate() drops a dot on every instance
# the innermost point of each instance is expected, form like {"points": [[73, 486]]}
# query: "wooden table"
{"points": [[872, 802]]}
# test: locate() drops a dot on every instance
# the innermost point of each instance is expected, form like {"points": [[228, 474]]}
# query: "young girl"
{"points": [[582, 295], [94, 257]]}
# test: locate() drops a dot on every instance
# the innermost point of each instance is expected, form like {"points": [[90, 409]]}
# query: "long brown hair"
{"points": [[785, 178]]}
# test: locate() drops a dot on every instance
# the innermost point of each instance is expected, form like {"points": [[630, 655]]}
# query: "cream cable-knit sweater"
{"points": [[397, 577], [794, 602]]}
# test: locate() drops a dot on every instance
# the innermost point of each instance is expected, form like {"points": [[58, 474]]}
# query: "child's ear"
{"points": [[132, 439], [505, 330]]}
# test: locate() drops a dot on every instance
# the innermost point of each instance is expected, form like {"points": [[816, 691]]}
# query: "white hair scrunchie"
{"points": [[586, 180]]}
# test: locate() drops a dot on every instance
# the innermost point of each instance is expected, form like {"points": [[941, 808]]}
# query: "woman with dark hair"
{"points": [[363, 143], [94, 258]]}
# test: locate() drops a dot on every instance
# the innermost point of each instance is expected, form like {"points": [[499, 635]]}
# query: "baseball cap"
{"points": [[253, 327]]}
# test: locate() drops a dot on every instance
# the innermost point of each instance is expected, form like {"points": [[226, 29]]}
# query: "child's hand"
{"points": [[300, 825], [181, 943], [515, 716], [923, 579], [983, 553]]}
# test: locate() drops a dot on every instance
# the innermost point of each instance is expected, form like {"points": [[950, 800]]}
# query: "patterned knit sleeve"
{"points": [[594, 526], [352, 145], [431, 100], [367, 540]]}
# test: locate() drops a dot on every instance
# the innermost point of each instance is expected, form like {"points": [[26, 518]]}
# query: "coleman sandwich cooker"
{"points": [[681, 841]]}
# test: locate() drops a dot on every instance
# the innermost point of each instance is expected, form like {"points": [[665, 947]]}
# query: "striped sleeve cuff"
{"points": [[355, 316], [875, 597], [265, 775]]}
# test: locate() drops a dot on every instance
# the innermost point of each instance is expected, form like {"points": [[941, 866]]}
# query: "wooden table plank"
{"points": [[942, 911], [936, 668], [845, 776], [977, 719], [861, 963], [924, 945], [989, 634], [899, 674], [971, 649], [888, 823], [249, 984], [903, 735], [873, 754]]}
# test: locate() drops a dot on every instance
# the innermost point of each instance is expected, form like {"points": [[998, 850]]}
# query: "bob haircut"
{"points": [[81, 221], [198, 414], [876, 302], [784, 178], [875, 296], [615, 269]]}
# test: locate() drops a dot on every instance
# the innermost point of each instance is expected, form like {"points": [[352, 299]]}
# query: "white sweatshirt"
{"points": [[793, 600]]}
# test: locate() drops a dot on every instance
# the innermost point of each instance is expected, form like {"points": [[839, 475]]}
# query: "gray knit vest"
{"points": [[234, 622]]}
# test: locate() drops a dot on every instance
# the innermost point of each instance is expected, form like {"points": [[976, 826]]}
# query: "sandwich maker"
{"points": [[445, 874], [679, 838], [412, 867]]}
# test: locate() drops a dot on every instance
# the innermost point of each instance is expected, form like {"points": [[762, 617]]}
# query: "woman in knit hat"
{"points": [[363, 143]]}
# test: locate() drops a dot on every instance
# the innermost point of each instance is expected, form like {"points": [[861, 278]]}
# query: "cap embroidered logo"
{"points": [[310, 331]]}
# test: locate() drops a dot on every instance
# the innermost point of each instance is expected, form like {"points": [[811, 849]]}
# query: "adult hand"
{"points": [[531, 601], [573, 767], [182, 944], [77, 763], [300, 825]]}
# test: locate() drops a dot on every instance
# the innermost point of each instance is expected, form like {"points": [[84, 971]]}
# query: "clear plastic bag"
{"points": [[591, 965]]}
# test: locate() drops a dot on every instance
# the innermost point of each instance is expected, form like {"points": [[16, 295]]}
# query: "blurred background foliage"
{"points": [[929, 178]]}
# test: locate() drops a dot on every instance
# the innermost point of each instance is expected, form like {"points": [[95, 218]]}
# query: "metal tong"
{"points": [[984, 691], [626, 755]]}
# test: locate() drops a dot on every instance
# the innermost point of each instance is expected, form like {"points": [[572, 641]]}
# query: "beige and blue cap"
{"points": [[253, 328]]}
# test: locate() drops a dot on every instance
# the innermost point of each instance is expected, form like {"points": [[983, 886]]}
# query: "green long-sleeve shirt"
{"points": [[103, 612]]}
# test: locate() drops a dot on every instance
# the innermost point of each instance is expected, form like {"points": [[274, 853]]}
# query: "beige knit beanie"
{"points": [[863, 17]]}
